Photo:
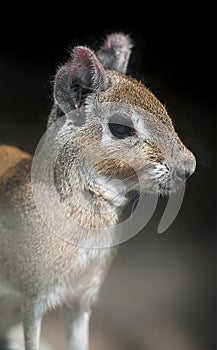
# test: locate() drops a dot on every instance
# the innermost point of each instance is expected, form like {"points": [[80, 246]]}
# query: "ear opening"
{"points": [[115, 52], [80, 76]]}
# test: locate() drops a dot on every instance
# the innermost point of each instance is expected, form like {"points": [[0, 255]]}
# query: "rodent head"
{"points": [[122, 129]]}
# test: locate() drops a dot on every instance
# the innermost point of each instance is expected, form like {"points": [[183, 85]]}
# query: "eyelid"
{"points": [[121, 119], [121, 126]]}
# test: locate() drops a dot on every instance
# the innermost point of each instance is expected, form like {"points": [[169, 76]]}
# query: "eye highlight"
{"points": [[121, 127]]}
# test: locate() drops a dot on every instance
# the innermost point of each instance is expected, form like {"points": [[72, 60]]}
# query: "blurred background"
{"points": [[160, 291]]}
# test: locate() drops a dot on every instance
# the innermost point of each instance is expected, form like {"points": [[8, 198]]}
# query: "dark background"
{"points": [[160, 292]]}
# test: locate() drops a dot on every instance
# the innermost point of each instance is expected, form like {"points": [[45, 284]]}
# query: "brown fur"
{"points": [[125, 89], [37, 261], [9, 158]]}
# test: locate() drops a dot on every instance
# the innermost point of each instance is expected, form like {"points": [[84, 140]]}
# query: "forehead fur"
{"points": [[128, 90]]}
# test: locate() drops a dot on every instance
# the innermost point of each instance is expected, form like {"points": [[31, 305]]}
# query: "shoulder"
{"points": [[15, 166], [9, 157]]}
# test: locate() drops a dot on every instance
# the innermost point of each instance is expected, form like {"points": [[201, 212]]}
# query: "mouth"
{"points": [[157, 179], [163, 184]]}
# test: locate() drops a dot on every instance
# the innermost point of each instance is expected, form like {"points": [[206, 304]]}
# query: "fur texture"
{"points": [[40, 266]]}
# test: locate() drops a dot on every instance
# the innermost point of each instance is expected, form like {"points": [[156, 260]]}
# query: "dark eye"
{"points": [[121, 127]]}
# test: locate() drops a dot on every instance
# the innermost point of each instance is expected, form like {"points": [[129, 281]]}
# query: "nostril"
{"points": [[180, 175]]}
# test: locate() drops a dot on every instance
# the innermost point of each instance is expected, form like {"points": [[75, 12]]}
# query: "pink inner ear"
{"points": [[84, 71], [83, 59], [108, 45], [86, 66]]}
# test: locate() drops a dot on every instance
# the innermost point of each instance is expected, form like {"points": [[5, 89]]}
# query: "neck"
{"points": [[94, 203]]}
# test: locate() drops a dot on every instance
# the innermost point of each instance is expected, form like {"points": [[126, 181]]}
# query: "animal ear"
{"points": [[80, 76], [115, 52]]}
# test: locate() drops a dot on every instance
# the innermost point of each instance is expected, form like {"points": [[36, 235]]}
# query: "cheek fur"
{"points": [[115, 168], [144, 157]]}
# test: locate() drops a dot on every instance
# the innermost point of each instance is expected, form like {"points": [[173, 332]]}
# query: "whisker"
{"points": [[200, 163]]}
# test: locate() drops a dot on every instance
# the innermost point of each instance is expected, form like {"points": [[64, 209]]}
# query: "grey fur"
{"points": [[43, 268], [115, 52]]}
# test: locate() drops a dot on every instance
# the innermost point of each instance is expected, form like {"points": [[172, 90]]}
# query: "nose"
{"points": [[181, 172]]}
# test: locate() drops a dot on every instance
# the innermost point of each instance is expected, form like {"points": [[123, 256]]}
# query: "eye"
{"points": [[121, 127]]}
